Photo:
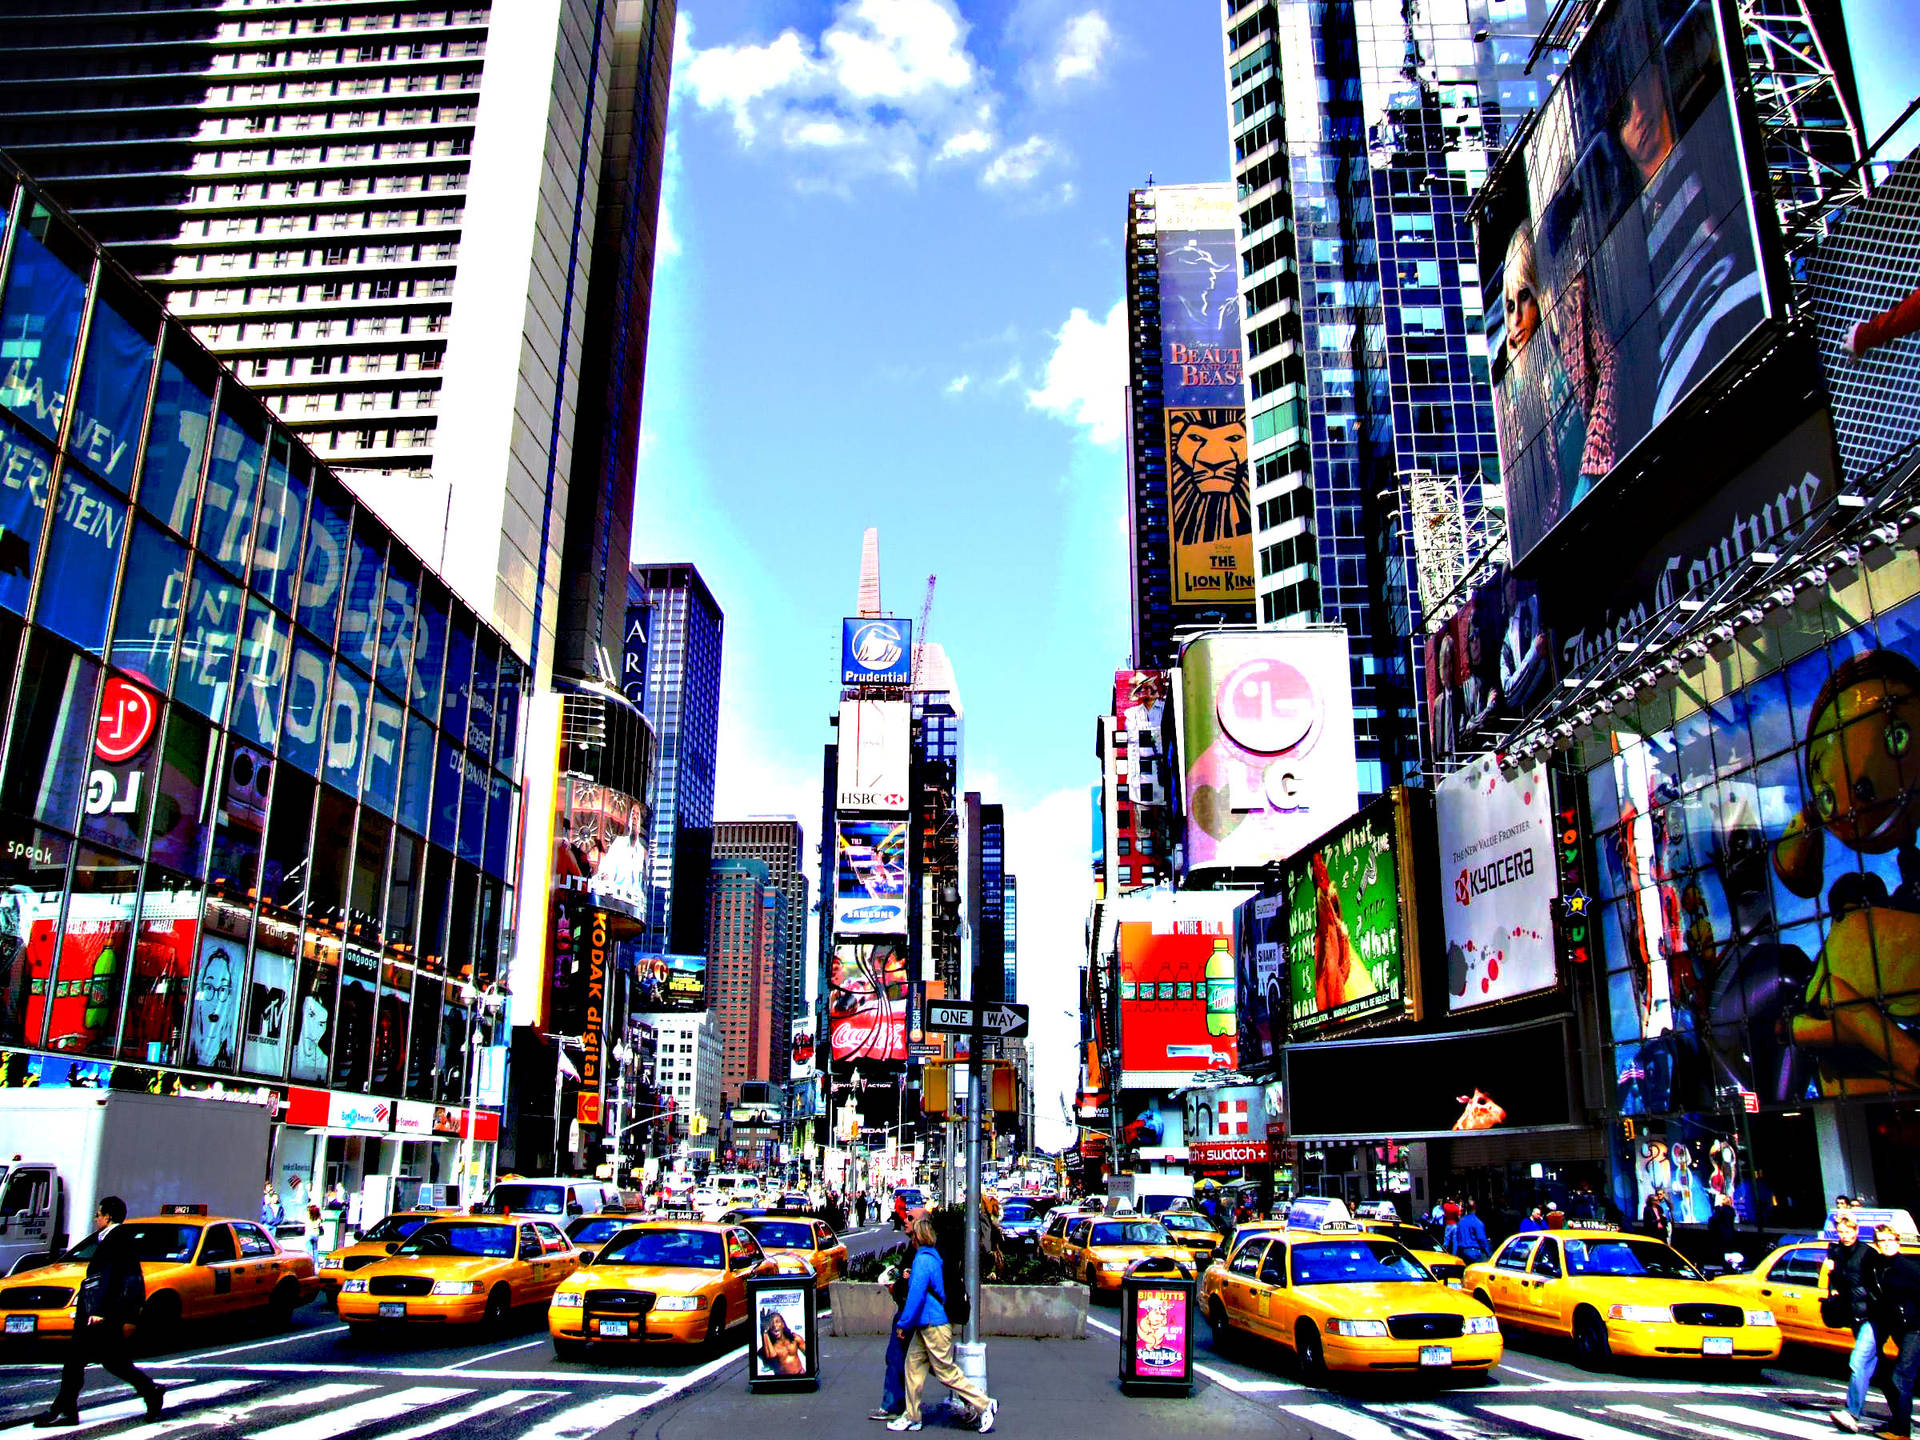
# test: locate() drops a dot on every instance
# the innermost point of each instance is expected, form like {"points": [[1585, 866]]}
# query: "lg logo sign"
{"points": [[128, 715]]}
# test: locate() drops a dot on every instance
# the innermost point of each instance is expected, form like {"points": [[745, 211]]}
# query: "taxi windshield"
{"points": [[1130, 1232], [688, 1249], [1354, 1261], [151, 1241], [530, 1199], [596, 1230], [1627, 1258], [394, 1227], [493, 1242], [1411, 1236], [784, 1235], [1198, 1224]]}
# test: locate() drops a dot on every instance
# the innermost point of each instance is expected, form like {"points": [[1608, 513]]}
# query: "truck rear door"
{"points": [[29, 1208]]}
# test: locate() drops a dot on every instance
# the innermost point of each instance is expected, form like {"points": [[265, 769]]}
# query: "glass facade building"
{"points": [[261, 770]]}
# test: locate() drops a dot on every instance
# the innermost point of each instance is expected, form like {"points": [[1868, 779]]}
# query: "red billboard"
{"points": [[867, 1001], [1176, 996]]}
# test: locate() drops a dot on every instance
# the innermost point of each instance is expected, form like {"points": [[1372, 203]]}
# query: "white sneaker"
{"points": [[1845, 1421], [986, 1416], [903, 1423]]}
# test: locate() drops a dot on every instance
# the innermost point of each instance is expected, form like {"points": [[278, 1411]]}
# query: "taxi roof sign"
{"points": [[183, 1209]]}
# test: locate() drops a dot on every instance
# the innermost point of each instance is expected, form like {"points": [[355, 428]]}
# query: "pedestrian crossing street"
{"points": [[1574, 1416]]}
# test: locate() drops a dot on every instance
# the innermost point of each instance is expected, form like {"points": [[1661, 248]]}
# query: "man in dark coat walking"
{"points": [[110, 1300]]}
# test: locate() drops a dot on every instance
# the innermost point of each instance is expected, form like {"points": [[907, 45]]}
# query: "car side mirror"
{"points": [[393, 1247], [586, 1257]]}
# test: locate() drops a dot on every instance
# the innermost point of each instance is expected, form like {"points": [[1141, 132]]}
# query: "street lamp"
{"points": [[492, 1000]]}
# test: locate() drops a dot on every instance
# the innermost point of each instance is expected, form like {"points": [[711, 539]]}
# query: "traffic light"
{"points": [[699, 1125], [1006, 1092], [1626, 1127], [936, 1090]]}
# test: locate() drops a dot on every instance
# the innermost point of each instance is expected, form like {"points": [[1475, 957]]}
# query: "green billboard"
{"points": [[1348, 922]]}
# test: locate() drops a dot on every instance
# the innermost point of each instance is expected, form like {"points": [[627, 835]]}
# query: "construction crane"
{"points": [[920, 634]]}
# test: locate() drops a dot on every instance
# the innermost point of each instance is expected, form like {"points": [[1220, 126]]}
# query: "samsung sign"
{"points": [[876, 651]]}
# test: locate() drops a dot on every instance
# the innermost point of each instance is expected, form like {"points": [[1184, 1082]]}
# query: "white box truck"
{"points": [[61, 1150], [1150, 1194]]}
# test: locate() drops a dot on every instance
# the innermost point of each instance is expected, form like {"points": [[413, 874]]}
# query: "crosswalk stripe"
{"points": [[1342, 1421], [1573, 1427], [1455, 1424], [226, 1416], [126, 1409], [486, 1405], [1758, 1420], [578, 1422], [367, 1412]]}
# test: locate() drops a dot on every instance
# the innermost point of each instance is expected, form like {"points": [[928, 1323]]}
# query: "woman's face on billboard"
{"points": [[1520, 292]]}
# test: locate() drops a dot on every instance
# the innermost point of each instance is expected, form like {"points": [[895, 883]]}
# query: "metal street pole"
{"points": [[979, 1043]]}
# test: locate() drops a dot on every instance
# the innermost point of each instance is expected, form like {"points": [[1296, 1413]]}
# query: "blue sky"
{"points": [[887, 298]]}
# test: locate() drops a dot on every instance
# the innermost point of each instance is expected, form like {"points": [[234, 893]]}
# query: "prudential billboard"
{"points": [[1268, 744], [876, 650]]}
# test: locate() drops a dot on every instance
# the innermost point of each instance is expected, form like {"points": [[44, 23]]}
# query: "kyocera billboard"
{"points": [[874, 748], [1497, 882], [1268, 744], [876, 650]]}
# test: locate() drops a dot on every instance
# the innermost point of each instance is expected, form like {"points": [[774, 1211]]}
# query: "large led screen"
{"points": [[870, 887], [1488, 662], [1497, 882], [664, 984], [1176, 996], [1349, 922], [1260, 981], [867, 1001], [872, 753], [1618, 256], [1269, 744]]}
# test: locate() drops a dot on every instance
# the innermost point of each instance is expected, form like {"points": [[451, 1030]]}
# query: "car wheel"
{"points": [[1308, 1350], [717, 1325], [1590, 1348], [159, 1320], [499, 1305], [1483, 1298], [284, 1301], [569, 1349], [1223, 1337]]}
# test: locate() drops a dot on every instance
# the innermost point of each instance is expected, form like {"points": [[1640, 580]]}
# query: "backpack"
{"points": [[952, 1290]]}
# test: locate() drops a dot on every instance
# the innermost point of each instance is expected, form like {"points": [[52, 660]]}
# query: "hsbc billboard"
{"points": [[874, 749]]}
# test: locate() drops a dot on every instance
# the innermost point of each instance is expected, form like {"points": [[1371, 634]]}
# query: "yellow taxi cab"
{"points": [[376, 1243], [1099, 1252], [1615, 1293], [196, 1266], [675, 1280], [810, 1240], [460, 1270], [1193, 1232], [1795, 1277], [1053, 1239], [589, 1232], [1344, 1299]]}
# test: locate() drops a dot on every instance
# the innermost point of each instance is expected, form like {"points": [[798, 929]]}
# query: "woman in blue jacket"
{"points": [[922, 1327]]}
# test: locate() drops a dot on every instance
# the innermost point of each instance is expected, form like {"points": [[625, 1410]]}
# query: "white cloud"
{"points": [[1084, 44], [897, 50], [666, 244], [1020, 164], [965, 143], [1086, 375], [958, 385], [734, 77]]}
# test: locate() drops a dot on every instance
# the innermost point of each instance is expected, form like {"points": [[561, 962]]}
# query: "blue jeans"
{"points": [[893, 1388], [1866, 1350]]}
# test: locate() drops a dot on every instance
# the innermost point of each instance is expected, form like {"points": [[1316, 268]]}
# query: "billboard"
{"points": [[873, 751], [870, 885], [600, 846], [1140, 704], [876, 650], [867, 1000], [1489, 661], [1210, 513], [1269, 744], [1619, 255], [1497, 882], [1176, 996], [633, 658], [1260, 981], [801, 1052], [1350, 946], [664, 984]]}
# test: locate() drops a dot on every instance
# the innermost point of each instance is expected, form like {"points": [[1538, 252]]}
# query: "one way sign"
{"points": [[957, 1017]]}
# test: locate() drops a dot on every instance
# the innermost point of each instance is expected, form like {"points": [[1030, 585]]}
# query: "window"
{"points": [[1273, 1270], [1246, 1260], [40, 319], [1513, 1255], [176, 437], [83, 556], [113, 387], [217, 1247]]}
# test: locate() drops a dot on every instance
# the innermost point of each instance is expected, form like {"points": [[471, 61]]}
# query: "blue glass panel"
{"points": [[277, 532], [180, 809], [346, 726], [48, 754], [445, 828], [429, 652], [416, 776], [176, 439], [26, 472], [40, 320], [499, 824], [233, 485], [323, 571], [300, 732], [386, 729], [506, 723], [486, 670], [262, 674], [473, 809], [208, 639], [453, 695], [83, 556], [150, 604], [360, 624], [112, 394], [397, 614]]}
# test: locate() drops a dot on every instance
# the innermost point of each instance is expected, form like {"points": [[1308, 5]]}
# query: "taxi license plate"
{"points": [[22, 1324], [1436, 1355], [616, 1327], [1717, 1345], [393, 1310]]}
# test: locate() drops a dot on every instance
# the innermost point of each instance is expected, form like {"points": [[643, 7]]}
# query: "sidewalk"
{"points": [[1054, 1388]]}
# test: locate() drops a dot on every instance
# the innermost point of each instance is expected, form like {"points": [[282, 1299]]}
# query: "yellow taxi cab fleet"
{"points": [[803, 1239], [196, 1267], [460, 1270], [1342, 1298], [1193, 1232], [1101, 1250], [1613, 1293], [1053, 1237], [375, 1243], [658, 1280], [1794, 1277]]}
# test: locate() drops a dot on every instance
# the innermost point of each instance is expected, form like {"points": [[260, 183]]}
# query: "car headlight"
{"points": [[1641, 1314], [353, 1287], [676, 1302], [567, 1300], [1761, 1317], [455, 1287], [1482, 1325], [1111, 1265], [1358, 1329]]}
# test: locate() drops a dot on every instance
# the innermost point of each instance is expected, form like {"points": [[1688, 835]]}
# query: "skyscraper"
{"points": [[986, 900], [777, 841], [744, 913], [683, 702], [1011, 922], [382, 214], [1370, 424]]}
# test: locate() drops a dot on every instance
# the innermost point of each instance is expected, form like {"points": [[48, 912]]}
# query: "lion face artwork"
{"points": [[1207, 475]]}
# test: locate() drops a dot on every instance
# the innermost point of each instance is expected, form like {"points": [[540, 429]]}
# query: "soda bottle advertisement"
{"points": [[1176, 996]]}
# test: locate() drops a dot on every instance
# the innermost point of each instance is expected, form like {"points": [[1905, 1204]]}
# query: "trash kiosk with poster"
{"points": [[784, 1346], [1157, 1306]]}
